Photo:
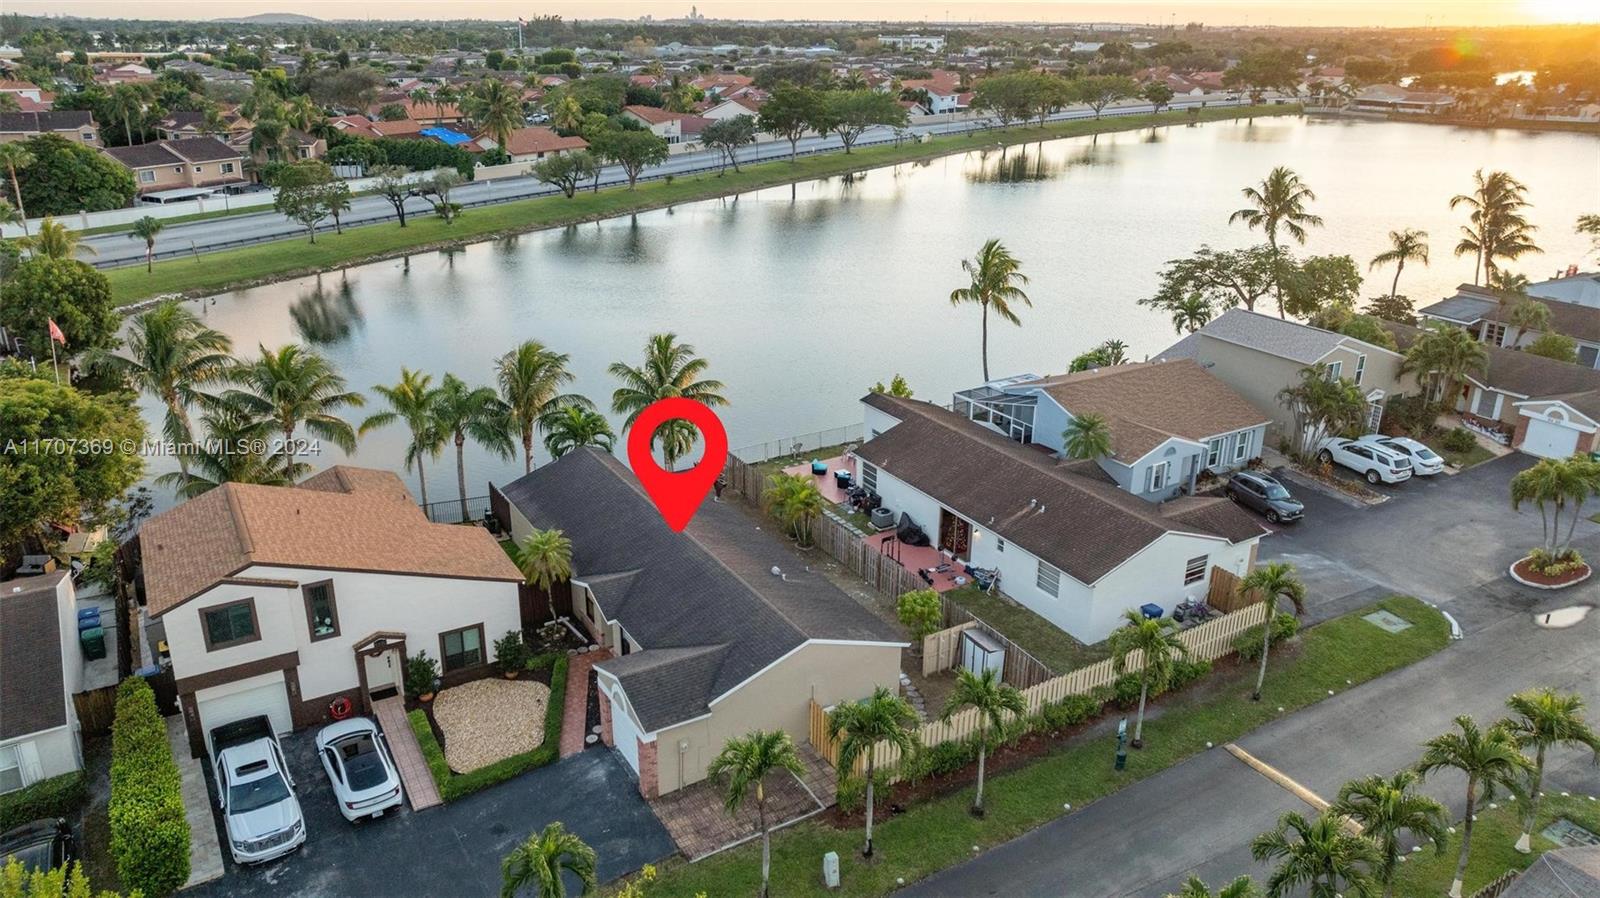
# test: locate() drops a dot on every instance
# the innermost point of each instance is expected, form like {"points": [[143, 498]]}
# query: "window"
{"points": [[1048, 580], [1214, 452], [86, 135], [1487, 405], [1194, 570], [10, 769], [227, 168], [1241, 447], [1588, 355], [1156, 477], [198, 169], [1361, 368], [322, 615], [228, 625], [1494, 334], [1335, 370], [999, 544], [869, 476], [462, 648], [147, 177]]}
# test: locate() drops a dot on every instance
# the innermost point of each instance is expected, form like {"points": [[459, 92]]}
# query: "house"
{"points": [[1170, 422], [208, 73], [30, 97], [1392, 98], [128, 72], [406, 128], [1572, 286], [717, 630], [1069, 543], [534, 143], [673, 127], [1486, 313], [278, 600], [191, 163], [192, 123], [40, 670], [77, 126], [297, 145], [742, 103], [1258, 355], [933, 43], [1561, 873], [721, 84], [429, 113], [943, 89]]}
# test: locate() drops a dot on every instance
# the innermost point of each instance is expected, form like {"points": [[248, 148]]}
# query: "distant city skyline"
{"points": [[1318, 13]]}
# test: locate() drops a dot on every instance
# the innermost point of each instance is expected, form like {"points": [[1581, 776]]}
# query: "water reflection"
{"points": [[323, 315]]}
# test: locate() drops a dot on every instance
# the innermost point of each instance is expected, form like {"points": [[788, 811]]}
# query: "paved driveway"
{"points": [[454, 849]]}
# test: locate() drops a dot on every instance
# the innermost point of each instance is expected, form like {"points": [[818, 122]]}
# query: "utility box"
{"points": [[981, 652], [830, 869]]}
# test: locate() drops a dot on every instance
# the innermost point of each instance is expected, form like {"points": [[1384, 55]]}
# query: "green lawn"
{"points": [[226, 269], [1493, 852], [1037, 636], [1466, 459], [930, 837]]}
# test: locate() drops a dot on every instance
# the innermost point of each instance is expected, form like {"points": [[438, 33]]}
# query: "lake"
{"points": [[802, 297]]}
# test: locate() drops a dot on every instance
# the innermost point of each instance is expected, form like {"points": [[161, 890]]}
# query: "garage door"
{"points": [[624, 734], [1548, 440], [250, 699]]}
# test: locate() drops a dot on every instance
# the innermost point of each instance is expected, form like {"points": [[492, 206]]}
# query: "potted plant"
{"points": [[422, 676], [511, 653]]}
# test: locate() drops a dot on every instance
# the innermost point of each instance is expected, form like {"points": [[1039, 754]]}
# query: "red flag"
{"points": [[55, 332]]}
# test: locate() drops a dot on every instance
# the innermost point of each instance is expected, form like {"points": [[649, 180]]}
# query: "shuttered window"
{"points": [[1048, 580]]}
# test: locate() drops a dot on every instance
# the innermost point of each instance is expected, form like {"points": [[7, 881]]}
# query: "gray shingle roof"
{"points": [[52, 120], [1522, 373], [703, 602], [1461, 308], [32, 690], [1472, 303], [1563, 873], [1266, 333]]}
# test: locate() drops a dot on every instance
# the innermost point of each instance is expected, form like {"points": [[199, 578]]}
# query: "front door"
{"points": [[383, 670], [955, 534]]}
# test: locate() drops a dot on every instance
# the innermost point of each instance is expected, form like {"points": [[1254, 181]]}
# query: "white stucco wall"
{"points": [[875, 421], [48, 753]]}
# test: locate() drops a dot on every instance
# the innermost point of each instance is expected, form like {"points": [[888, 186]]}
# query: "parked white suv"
{"points": [[256, 792], [1378, 464], [1424, 461]]}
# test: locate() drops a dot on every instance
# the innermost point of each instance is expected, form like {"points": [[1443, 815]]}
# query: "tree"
{"points": [[1320, 285], [670, 369], [65, 178], [1553, 485], [993, 700], [1195, 887], [1409, 245], [235, 451], [1322, 406], [305, 191], [1367, 329], [569, 427], [1398, 309], [545, 558], [461, 411], [269, 140], [1444, 355], [858, 727], [1087, 436], [854, 111], [897, 387], [1158, 646], [1158, 94], [920, 611], [747, 761], [1587, 224], [73, 295], [394, 187], [17, 881], [788, 114], [496, 107], [566, 113], [1221, 279], [1099, 91], [1279, 202], [294, 387], [436, 190], [1491, 760], [1554, 346], [996, 276], [727, 135], [1498, 228], [1009, 98], [146, 229], [1318, 854], [411, 401], [1543, 719], [1190, 313], [543, 859], [13, 156], [336, 197], [530, 378], [1526, 315], [128, 101], [636, 150], [1273, 582], [566, 171], [1385, 808], [54, 241]]}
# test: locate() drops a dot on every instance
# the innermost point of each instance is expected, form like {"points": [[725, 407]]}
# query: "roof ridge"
{"points": [[241, 527]]}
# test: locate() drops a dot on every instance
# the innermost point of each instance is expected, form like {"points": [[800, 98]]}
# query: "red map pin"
{"points": [[677, 494]]}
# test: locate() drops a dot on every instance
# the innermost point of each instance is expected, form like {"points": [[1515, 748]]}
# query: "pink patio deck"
{"points": [[825, 482], [915, 558]]}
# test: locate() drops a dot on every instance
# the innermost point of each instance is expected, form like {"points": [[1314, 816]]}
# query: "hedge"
{"points": [[149, 833], [457, 785], [58, 796]]}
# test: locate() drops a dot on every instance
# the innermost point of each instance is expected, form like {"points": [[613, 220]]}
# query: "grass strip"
{"points": [[1494, 838]]}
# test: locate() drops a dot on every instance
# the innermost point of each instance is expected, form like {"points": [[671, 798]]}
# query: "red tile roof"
{"points": [[529, 141]]}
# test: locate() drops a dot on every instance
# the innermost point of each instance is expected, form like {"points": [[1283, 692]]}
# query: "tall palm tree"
{"points": [[496, 108], [1087, 436], [1544, 719], [146, 229], [1444, 355], [541, 860], [229, 455], [531, 377], [411, 401], [1498, 228], [859, 727], [419, 97], [566, 114], [1318, 856], [1195, 887], [545, 559], [302, 113], [1387, 807], [460, 412], [127, 103], [1190, 313], [1409, 245], [269, 139], [14, 156], [55, 241], [1278, 203], [568, 427], [1274, 582], [670, 369], [1492, 759], [1156, 640], [996, 276], [993, 700], [294, 387], [747, 761]]}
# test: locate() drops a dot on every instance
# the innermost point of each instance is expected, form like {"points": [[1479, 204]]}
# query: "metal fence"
{"points": [[802, 446], [448, 511]]}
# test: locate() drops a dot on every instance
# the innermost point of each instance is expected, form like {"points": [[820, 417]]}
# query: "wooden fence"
{"points": [[1498, 886], [1224, 593], [96, 708], [1021, 668], [942, 650]]}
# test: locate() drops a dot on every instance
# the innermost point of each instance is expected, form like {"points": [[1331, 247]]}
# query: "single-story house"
{"points": [[76, 125], [534, 143], [297, 145], [717, 630], [943, 89], [1068, 542], [1393, 98], [30, 97], [193, 162], [1485, 312], [1170, 422], [278, 600], [1560, 873], [40, 670], [741, 103], [674, 127]]}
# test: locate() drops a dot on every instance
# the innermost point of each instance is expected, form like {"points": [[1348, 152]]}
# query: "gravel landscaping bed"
{"points": [[488, 720]]}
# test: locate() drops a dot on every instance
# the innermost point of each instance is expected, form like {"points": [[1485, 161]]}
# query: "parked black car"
{"points": [[1266, 495], [40, 845]]}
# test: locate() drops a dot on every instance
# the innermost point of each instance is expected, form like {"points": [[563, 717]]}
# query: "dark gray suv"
{"points": [[1265, 495]]}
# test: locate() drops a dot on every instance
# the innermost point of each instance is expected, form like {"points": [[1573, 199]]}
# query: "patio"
{"points": [[921, 558], [825, 482], [700, 824]]}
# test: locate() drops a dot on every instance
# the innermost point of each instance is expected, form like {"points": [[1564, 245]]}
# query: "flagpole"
{"points": [[53, 366]]}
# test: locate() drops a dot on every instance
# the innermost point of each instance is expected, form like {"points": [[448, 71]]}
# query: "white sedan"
{"points": [[1378, 464], [1424, 461], [357, 761]]}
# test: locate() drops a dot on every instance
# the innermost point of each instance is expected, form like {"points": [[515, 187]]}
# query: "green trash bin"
{"points": [[93, 642]]}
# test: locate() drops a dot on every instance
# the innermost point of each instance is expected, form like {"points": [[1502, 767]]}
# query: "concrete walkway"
{"points": [[575, 713], [205, 852], [421, 790]]}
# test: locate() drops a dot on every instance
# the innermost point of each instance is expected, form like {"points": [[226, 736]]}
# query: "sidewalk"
{"points": [[575, 713], [421, 790], [205, 852]]}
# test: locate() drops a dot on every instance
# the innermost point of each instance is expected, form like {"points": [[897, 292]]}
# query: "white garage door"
{"points": [[1549, 440], [251, 699], [624, 734]]}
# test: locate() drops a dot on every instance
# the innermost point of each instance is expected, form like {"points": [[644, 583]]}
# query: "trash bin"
{"points": [[87, 618], [1151, 611], [93, 643]]}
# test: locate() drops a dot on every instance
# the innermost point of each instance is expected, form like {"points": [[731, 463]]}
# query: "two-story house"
{"points": [[76, 125], [678, 129], [1573, 303], [193, 163]]}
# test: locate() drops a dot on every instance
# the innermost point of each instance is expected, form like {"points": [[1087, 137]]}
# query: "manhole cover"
{"points": [[1392, 623], [1562, 618], [1567, 834]]}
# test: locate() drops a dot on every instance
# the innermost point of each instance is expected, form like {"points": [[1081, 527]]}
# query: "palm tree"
{"points": [[1278, 203], [444, 95], [55, 241], [1444, 355], [1273, 581], [301, 113], [1321, 855], [1498, 228], [1195, 887], [291, 387], [795, 500], [1156, 640], [9, 214], [545, 559], [1544, 719], [411, 401], [496, 108], [230, 455], [269, 139], [748, 760], [127, 103], [995, 275], [1491, 759], [420, 96], [1087, 436], [1553, 486], [146, 229], [570, 426], [461, 411], [1409, 245], [566, 114], [858, 728], [670, 369], [14, 156], [531, 377], [541, 861], [993, 700], [1387, 807], [1190, 313]]}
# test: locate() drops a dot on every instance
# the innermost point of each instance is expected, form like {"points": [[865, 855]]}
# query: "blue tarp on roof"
{"points": [[446, 136]]}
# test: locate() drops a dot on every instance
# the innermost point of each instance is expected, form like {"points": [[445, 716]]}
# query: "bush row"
{"points": [[149, 834], [58, 796], [1248, 643], [456, 785]]}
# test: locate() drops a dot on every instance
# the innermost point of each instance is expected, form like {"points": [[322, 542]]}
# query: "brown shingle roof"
{"points": [[143, 155], [32, 691], [527, 141], [202, 149], [1522, 373]]}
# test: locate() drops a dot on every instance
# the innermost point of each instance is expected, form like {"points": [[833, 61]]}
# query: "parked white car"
{"points": [[357, 761], [256, 792], [1378, 464], [1424, 461]]}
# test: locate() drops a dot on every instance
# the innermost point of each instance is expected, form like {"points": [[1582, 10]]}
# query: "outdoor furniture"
{"points": [[842, 479], [818, 467]]}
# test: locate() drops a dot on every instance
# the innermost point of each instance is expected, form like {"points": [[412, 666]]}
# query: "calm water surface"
{"points": [[801, 298]]}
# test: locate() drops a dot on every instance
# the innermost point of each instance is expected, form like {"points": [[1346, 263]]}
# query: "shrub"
{"points": [[544, 660], [1555, 564], [852, 791], [921, 611], [62, 882], [1459, 439], [1248, 643], [939, 760], [1410, 414], [149, 833], [58, 796], [1070, 711], [457, 785], [1187, 670], [1125, 690], [510, 652], [422, 674]]}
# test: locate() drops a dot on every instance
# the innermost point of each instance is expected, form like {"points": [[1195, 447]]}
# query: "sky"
{"points": [[1382, 13]]}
